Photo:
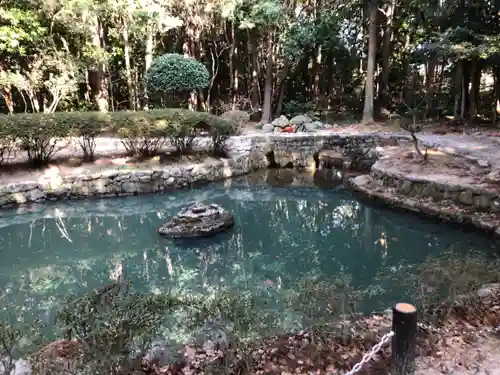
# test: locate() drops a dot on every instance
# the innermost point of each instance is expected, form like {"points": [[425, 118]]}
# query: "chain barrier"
{"points": [[385, 339], [371, 354]]}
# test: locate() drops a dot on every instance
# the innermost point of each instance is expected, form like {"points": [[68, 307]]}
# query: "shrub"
{"points": [[297, 107], [175, 73], [143, 132], [87, 126], [36, 133], [237, 116], [220, 132]]}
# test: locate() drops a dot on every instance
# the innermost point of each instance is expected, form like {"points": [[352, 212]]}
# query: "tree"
{"points": [[370, 69], [174, 73]]}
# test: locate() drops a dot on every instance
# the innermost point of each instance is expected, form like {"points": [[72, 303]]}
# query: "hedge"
{"points": [[142, 133]]}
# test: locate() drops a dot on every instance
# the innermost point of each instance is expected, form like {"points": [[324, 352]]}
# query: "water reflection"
{"points": [[282, 238]]}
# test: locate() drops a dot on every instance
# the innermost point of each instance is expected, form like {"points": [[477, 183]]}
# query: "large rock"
{"points": [[281, 122], [300, 119], [198, 220], [329, 159]]}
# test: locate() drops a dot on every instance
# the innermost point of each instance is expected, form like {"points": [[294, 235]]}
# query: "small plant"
{"points": [[220, 132], [414, 128]]}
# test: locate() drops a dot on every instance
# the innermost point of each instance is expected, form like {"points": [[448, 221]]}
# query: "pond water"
{"points": [[283, 237]]}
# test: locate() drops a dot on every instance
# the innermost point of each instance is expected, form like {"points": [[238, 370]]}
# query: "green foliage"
{"points": [[297, 107], [37, 134], [143, 133], [175, 73]]}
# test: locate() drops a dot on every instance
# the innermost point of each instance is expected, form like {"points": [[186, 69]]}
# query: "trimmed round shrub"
{"points": [[175, 73]]}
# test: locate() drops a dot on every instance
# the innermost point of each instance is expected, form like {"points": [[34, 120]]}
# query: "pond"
{"points": [[283, 238]]}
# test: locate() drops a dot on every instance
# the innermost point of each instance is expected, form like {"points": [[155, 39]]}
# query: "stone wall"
{"points": [[475, 197], [302, 150], [246, 154]]}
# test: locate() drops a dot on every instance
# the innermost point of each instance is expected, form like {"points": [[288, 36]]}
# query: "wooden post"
{"points": [[404, 341]]}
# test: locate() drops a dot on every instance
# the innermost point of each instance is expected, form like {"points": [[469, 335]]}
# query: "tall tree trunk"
{"points": [[458, 91], [370, 69], [6, 94], [128, 68], [430, 85], [496, 98], [386, 54], [254, 69], [268, 86], [475, 74], [232, 48], [148, 59], [97, 74], [282, 85]]}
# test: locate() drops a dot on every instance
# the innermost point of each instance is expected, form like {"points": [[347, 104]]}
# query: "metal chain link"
{"points": [[369, 356]]}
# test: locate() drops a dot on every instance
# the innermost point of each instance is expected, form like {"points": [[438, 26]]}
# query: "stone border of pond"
{"points": [[245, 154]]}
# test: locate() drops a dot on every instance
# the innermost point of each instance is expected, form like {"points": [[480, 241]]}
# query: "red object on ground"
{"points": [[287, 129]]}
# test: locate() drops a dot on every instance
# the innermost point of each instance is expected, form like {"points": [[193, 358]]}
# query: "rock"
{"points": [[483, 163], [198, 220], [493, 176], [330, 159], [213, 336], [161, 354], [488, 290], [267, 128], [21, 367], [482, 201], [281, 122], [300, 119], [495, 206], [311, 127], [466, 197]]}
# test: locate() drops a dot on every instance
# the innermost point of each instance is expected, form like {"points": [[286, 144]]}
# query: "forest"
{"points": [[371, 58]]}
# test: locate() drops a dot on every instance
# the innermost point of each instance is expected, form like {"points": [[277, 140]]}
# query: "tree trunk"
{"points": [[254, 69], [148, 60], [268, 86], [458, 91], [496, 98], [128, 68], [231, 65], [370, 69], [282, 85], [97, 74], [430, 85], [386, 55], [475, 74], [6, 94]]}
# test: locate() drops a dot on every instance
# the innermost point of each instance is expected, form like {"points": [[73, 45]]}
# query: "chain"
{"points": [[385, 339], [369, 356]]}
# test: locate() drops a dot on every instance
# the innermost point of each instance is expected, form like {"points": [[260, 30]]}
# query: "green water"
{"points": [[282, 236]]}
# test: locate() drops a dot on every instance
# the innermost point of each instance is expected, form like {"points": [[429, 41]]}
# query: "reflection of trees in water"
{"points": [[278, 240]]}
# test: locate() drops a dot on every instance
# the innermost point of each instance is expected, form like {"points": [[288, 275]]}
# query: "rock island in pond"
{"points": [[198, 220]]}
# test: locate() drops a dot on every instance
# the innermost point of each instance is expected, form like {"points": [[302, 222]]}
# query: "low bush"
{"points": [[142, 133], [37, 134]]}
